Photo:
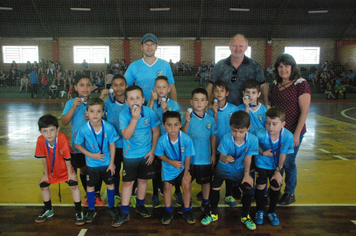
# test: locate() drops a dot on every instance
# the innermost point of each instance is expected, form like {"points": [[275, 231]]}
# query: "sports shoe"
{"points": [[117, 200], [205, 208], [248, 222], [287, 199], [112, 212], [142, 210], [120, 219], [46, 214], [167, 217], [229, 200], [180, 210], [155, 201], [188, 216], [179, 199], [98, 200], [89, 217], [133, 201], [208, 219], [273, 219], [259, 217], [85, 202], [160, 192], [79, 218]]}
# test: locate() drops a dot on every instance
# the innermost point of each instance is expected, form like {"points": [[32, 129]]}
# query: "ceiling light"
{"points": [[318, 11], [239, 9], [160, 9], [80, 9], [6, 8]]}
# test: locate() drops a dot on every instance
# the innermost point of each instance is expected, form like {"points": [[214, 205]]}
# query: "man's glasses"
{"points": [[234, 73]]}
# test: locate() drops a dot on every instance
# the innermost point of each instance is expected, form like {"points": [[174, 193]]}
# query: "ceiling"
{"points": [[267, 19]]}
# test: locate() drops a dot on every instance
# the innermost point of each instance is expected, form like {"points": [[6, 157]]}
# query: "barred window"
{"points": [[92, 54], [20, 54]]}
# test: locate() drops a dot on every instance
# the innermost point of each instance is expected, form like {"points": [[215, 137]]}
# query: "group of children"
{"points": [[154, 142]]}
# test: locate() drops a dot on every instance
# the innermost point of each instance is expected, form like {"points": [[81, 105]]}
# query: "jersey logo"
{"points": [[208, 126], [230, 114], [169, 108], [145, 122], [158, 73], [246, 149], [123, 173], [260, 117], [182, 149], [88, 179]]}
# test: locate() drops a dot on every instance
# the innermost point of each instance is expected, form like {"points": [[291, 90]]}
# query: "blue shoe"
{"points": [[230, 201], [179, 199], [273, 219], [259, 217], [156, 202]]}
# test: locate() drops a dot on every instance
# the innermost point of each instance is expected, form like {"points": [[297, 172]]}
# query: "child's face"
{"points": [[50, 133], [162, 88], [239, 134], [253, 94], [119, 86], [83, 87], [199, 102], [172, 125], [134, 97], [274, 126], [95, 112], [220, 93]]}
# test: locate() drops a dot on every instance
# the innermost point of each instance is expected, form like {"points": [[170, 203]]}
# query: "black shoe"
{"points": [[287, 199], [167, 217], [205, 208], [180, 210], [120, 219], [112, 212], [188, 216], [79, 218], [142, 210], [89, 217]]}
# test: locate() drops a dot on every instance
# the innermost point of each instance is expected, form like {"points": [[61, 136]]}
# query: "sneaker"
{"points": [[273, 219], [160, 192], [79, 218], [208, 219], [142, 210], [259, 217], [112, 212], [179, 198], [287, 199], [98, 200], [188, 216], [167, 217], [120, 219], [117, 200], [200, 196], [46, 214], [155, 201], [89, 217], [85, 202], [205, 208], [248, 222], [133, 201], [180, 210], [229, 200]]}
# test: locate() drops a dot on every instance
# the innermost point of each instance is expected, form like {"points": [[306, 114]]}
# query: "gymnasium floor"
{"points": [[326, 165]]}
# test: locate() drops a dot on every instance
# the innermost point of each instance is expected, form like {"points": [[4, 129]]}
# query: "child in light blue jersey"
{"points": [[160, 103], [275, 142], [96, 140], [175, 149], [201, 127]]}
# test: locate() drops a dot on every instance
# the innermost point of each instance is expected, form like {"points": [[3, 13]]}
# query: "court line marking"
{"points": [[353, 221], [323, 150], [346, 123], [341, 158], [82, 232], [346, 116]]}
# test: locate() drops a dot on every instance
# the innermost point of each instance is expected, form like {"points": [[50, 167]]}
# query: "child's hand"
{"points": [[177, 164], [278, 177], [111, 168], [215, 107], [246, 101], [226, 158], [213, 160], [164, 106], [151, 157], [247, 179], [187, 177], [187, 116], [76, 102], [98, 156], [267, 153], [104, 93], [136, 112], [86, 116], [153, 95], [72, 176], [44, 178]]}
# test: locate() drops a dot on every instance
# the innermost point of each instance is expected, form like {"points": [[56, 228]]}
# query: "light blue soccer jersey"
{"points": [[287, 147], [229, 147], [200, 130], [86, 135], [141, 141], [77, 119], [164, 147], [113, 110], [223, 121], [171, 106], [257, 117]]}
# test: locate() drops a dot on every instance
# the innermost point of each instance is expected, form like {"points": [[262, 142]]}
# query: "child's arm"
{"points": [[155, 136], [130, 129], [71, 176], [44, 177], [152, 99], [277, 174], [226, 158], [266, 153], [247, 164], [96, 156], [175, 163], [215, 108], [186, 176], [69, 115], [213, 149], [187, 122], [112, 159]]}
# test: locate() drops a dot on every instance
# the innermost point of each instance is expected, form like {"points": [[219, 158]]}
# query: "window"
{"points": [[20, 54], [222, 52], [92, 54], [304, 55], [168, 52]]}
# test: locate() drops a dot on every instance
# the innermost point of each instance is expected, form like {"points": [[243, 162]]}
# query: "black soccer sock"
{"points": [[83, 179], [78, 206], [177, 187], [273, 200], [259, 199], [98, 187], [214, 200], [228, 187], [155, 184], [246, 204], [48, 205]]}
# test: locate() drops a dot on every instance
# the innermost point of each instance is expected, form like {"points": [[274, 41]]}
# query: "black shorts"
{"points": [[118, 159], [201, 173], [78, 160], [262, 175], [97, 174], [177, 180], [70, 183], [136, 168]]}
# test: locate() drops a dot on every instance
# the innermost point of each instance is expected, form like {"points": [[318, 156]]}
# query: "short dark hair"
{"points": [[171, 114], [133, 87], [200, 90], [276, 112], [118, 76], [240, 119], [286, 59], [79, 77], [220, 83], [162, 77], [96, 101], [47, 120], [252, 84]]}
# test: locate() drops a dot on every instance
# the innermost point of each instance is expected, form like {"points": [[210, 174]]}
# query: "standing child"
{"points": [[53, 147], [175, 149], [201, 127], [96, 139], [45, 87], [275, 142], [23, 83], [140, 129]]}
